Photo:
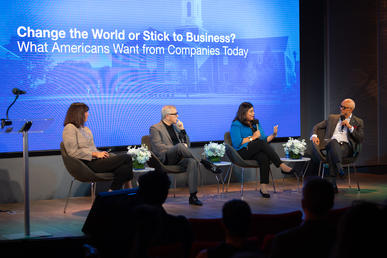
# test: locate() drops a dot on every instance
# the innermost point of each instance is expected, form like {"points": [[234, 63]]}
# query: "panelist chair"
{"points": [[347, 162], [236, 159], [81, 172], [156, 163]]}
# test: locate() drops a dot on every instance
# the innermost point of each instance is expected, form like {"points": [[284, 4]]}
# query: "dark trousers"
{"points": [[180, 155], [120, 165], [263, 153], [335, 153]]}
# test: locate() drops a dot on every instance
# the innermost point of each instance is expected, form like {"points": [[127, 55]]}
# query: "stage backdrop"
{"points": [[126, 59]]}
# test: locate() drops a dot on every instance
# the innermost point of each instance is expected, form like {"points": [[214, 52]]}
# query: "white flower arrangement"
{"points": [[295, 146], [140, 155], [214, 149]]}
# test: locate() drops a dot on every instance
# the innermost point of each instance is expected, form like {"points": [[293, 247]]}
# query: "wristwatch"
{"points": [[250, 138]]}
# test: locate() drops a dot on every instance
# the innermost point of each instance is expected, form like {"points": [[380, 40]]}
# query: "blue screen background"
{"points": [[125, 92]]}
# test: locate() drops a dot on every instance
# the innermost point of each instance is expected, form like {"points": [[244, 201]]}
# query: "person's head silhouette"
{"points": [[153, 187], [236, 217], [317, 197]]}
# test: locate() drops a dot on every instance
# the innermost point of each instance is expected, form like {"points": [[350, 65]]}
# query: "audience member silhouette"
{"points": [[153, 226], [236, 218], [316, 235], [135, 222], [361, 232]]}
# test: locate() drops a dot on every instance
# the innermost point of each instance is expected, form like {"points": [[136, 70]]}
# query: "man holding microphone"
{"points": [[342, 132]]}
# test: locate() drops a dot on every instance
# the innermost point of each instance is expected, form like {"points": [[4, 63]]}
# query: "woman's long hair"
{"points": [[76, 114], [241, 114]]}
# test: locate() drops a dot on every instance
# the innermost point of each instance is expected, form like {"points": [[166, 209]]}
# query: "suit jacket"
{"points": [[355, 138], [160, 140]]}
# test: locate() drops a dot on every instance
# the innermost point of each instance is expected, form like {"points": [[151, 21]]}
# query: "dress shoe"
{"points": [[264, 195], [193, 200], [210, 166]]}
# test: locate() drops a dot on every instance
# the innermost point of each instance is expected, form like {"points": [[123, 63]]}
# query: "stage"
{"points": [[48, 216]]}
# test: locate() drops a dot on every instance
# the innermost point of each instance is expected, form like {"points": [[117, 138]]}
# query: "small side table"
{"points": [[306, 161], [138, 172], [219, 177]]}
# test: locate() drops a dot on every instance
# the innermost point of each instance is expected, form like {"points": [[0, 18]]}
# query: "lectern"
{"points": [[23, 127]]}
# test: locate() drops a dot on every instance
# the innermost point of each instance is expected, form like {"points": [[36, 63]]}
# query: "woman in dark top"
{"points": [[79, 143], [251, 142]]}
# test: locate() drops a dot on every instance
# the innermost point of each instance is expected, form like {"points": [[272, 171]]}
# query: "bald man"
{"points": [[342, 132]]}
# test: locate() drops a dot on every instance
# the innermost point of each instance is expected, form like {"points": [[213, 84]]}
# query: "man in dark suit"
{"points": [[316, 235], [343, 132], [170, 142]]}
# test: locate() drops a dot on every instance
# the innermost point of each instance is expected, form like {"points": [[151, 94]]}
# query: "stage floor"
{"points": [[48, 216]]}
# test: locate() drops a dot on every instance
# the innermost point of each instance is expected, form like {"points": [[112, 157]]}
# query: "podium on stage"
{"points": [[24, 126]]}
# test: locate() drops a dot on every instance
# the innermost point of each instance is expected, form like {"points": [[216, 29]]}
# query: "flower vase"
{"points": [[294, 155], [138, 165], [214, 159]]}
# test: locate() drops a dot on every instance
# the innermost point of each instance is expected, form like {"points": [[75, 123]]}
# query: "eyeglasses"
{"points": [[342, 107], [174, 114]]}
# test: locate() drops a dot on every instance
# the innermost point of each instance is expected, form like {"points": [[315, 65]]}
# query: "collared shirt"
{"points": [[341, 132], [338, 134]]}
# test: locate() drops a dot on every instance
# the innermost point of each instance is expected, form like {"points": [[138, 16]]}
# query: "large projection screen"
{"points": [[126, 59]]}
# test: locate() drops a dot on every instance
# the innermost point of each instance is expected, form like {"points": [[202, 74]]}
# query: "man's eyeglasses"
{"points": [[174, 114], [342, 107]]}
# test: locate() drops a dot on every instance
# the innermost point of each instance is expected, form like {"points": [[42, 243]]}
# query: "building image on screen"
{"points": [[127, 59]]}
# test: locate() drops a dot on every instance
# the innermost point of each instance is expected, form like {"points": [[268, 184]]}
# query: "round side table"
{"points": [[302, 173]]}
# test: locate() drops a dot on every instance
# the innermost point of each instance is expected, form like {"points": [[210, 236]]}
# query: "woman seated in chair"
{"points": [[250, 141], [79, 143]]}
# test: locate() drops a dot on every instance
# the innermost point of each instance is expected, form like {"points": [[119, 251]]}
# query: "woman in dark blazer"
{"points": [[79, 143], [251, 142]]}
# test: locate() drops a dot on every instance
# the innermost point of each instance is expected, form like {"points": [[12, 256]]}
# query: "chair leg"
{"points": [[256, 179], [93, 186], [320, 167], [349, 175], [174, 186], [217, 181], [68, 195], [272, 180], [229, 178], [223, 178], [357, 179], [243, 172]]}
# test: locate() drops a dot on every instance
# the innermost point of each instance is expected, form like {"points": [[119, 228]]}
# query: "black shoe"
{"points": [[264, 195], [193, 200], [210, 166]]}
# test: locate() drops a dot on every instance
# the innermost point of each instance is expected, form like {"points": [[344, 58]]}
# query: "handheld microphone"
{"points": [[342, 119], [17, 91], [255, 122]]}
